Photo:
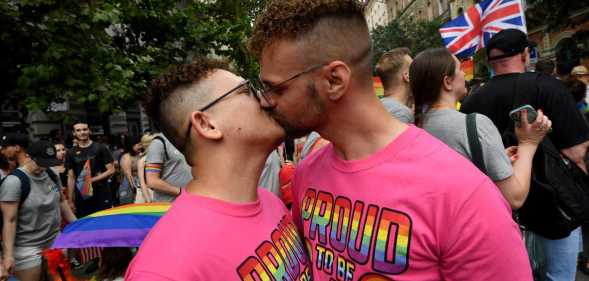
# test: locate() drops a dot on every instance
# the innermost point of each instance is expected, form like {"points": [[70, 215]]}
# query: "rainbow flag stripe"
{"points": [[378, 88], [153, 168], [124, 226]]}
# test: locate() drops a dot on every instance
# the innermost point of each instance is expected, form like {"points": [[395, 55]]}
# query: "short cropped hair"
{"points": [[390, 64], [165, 101], [333, 29], [79, 121]]}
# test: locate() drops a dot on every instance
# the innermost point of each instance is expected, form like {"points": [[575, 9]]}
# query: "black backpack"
{"points": [[558, 200], [25, 185]]}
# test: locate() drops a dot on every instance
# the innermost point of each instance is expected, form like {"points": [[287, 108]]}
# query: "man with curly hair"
{"points": [[385, 200], [222, 226]]}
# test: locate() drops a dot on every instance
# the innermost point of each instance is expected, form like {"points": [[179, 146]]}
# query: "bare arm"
{"points": [[515, 188], [144, 191], [156, 183], [110, 170], [127, 169], [71, 184], [66, 211], [577, 154], [9, 216]]}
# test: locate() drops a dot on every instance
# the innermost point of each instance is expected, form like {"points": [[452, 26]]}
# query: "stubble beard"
{"points": [[296, 129]]}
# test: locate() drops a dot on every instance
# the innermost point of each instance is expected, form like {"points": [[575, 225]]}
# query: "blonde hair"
{"points": [[146, 140]]}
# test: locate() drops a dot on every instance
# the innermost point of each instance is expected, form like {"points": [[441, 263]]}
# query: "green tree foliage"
{"points": [[103, 52], [417, 36]]}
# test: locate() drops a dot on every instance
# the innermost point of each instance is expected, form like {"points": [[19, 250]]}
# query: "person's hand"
{"points": [[7, 267], [512, 153], [133, 183], [532, 134], [70, 202]]}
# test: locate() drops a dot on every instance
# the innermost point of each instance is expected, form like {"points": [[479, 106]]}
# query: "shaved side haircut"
{"points": [[389, 66], [173, 95], [327, 29]]}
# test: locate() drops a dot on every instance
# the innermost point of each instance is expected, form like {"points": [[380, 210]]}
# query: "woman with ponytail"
{"points": [[437, 83]]}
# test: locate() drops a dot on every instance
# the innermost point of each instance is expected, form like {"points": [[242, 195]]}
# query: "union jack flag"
{"points": [[470, 31]]}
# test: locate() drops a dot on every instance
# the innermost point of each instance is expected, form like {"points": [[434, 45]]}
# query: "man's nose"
{"points": [[266, 102]]}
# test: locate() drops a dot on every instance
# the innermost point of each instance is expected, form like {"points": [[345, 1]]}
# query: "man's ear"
{"points": [[337, 75], [405, 76], [205, 125]]}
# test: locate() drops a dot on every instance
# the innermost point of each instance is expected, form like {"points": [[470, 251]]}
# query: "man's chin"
{"points": [[295, 133]]}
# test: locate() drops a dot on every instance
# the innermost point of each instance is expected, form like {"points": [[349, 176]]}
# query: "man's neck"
{"points": [[508, 69], [22, 159], [28, 167], [360, 126], [398, 93], [84, 144], [228, 175]]}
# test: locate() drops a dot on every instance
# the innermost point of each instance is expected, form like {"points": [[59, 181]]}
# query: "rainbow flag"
{"points": [[378, 88], [124, 226], [467, 66], [84, 181]]}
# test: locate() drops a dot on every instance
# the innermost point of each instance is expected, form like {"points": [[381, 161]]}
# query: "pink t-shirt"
{"points": [[202, 238], [415, 210]]}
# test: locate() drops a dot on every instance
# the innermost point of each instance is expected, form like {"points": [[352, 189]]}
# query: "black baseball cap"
{"points": [[11, 139], [510, 41], [43, 153]]}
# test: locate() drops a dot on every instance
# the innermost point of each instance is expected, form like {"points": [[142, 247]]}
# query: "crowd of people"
{"points": [[433, 181]]}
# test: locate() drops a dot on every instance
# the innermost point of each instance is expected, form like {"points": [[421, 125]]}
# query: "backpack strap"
{"points": [[474, 144], [160, 138], [25, 184], [53, 176]]}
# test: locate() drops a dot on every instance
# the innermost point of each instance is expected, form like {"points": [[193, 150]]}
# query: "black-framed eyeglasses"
{"points": [[252, 90], [267, 90]]}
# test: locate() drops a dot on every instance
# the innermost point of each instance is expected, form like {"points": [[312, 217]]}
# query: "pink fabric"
{"points": [[416, 210], [202, 238]]}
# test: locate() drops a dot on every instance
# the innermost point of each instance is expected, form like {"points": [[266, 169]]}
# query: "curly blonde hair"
{"points": [[296, 19]]}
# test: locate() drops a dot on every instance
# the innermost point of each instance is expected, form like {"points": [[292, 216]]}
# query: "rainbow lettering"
{"points": [[282, 258], [355, 234]]}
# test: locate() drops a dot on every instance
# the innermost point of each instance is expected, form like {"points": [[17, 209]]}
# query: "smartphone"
{"points": [[515, 114]]}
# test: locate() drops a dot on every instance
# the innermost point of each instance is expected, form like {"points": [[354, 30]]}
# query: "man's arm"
{"points": [[110, 170], [71, 184], [156, 183], [577, 154], [9, 216], [66, 210]]}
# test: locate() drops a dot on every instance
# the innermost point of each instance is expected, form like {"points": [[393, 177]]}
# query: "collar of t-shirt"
{"points": [[386, 153], [41, 177], [223, 207]]}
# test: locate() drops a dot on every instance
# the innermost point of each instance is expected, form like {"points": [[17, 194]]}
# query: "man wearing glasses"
{"points": [[223, 227], [384, 200]]}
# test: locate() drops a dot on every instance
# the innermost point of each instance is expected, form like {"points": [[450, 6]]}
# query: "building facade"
{"points": [[382, 12], [568, 45]]}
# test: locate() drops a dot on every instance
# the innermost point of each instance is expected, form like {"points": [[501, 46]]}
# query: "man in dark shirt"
{"points": [[90, 192], [508, 55]]}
